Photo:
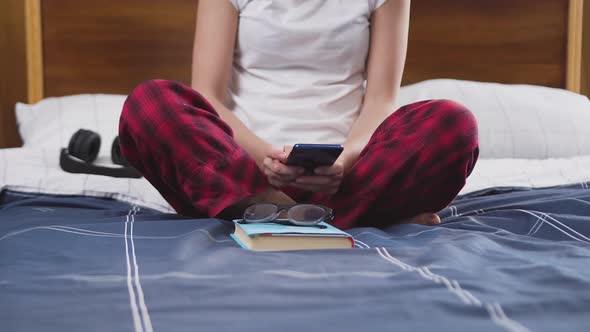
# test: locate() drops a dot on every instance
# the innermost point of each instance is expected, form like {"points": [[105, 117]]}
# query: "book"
{"points": [[280, 237]]}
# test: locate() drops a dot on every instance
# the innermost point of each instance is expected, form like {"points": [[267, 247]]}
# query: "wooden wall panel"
{"points": [[88, 48], [13, 68], [110, 46], [586, 51], [503, 41]]}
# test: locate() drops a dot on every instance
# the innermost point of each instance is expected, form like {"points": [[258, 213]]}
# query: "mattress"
{"points": [[36, 170], [81, 252]]}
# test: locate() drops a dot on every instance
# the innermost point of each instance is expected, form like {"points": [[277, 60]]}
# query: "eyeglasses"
{"points": [[298, 214]]}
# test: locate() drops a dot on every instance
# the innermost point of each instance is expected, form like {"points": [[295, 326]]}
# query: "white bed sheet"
{"points": [[37, 171]]}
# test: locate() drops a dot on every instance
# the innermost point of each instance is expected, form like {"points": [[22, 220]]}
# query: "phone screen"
{"points": [[311, 156]]}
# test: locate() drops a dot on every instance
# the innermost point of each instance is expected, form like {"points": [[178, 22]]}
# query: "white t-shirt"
{"points": [[299, 67]]}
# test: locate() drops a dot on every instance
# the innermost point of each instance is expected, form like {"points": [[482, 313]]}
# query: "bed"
{"points": [[93, 253]]}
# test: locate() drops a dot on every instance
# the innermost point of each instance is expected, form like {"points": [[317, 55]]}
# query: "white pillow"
{"points": [[52, 122], [516, 121]]}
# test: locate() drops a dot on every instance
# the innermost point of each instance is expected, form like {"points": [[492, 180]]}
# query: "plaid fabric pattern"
{"points": [[416, 161], [174, 137]]}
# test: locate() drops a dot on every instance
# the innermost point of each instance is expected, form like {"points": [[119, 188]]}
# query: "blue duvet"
{"points": [[504, 259]]}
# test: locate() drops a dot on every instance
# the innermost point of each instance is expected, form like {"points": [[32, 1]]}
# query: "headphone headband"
{"points": [[83, 149]]}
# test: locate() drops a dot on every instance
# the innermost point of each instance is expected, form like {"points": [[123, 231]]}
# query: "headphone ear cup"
{"points": [[84, 145], [116, 155]]}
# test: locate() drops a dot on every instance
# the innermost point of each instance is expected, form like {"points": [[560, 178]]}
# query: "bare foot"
{"points": [[270, 195], [426, 219]]}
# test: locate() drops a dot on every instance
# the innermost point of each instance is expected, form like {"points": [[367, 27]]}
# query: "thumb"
{"points": [[287, 149], [277, 153]]}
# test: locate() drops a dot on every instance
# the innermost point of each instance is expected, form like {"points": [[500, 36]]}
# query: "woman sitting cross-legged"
{"points": [[269, 74]]}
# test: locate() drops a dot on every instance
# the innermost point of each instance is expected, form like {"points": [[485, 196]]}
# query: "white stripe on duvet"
{"points": [[495, 310], [534, 231], [87, 232], [538, 222], [566, 226], [361, 244], [500, 318], [584, 238], [132, 300], [147, 322]]}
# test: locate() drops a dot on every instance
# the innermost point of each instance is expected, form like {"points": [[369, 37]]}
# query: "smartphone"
{"points": [[311, 156]]}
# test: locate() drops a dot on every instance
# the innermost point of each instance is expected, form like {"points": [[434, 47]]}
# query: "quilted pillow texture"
{"points": [[51, 122], [516, 121]]}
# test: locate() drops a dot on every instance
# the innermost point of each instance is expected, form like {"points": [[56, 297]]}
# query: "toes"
{"points": [[435, 220], [426, 219]]}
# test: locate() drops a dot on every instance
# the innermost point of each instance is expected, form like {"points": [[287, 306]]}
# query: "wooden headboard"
{"points": [[109, 46]]}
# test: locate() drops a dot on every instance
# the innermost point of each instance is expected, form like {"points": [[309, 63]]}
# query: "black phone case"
{"points": [[311, 156]]}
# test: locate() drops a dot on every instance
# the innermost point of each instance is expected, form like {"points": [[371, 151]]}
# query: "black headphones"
{"points": [[83, 150]]}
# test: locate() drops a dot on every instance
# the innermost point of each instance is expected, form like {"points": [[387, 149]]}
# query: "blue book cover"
{"points": [[324, 229], [282, 236]]}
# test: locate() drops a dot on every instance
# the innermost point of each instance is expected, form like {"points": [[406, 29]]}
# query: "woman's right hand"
{"points": [[275, 168]]}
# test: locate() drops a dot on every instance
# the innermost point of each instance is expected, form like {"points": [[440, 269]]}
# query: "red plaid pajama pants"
{"points": [[416, 161]]}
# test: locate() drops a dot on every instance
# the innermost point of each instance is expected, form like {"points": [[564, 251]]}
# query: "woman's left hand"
{"points": [[326, 179]]}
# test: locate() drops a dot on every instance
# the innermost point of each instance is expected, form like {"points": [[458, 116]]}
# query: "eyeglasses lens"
{"points": [[259, 212], [307, 213]]}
